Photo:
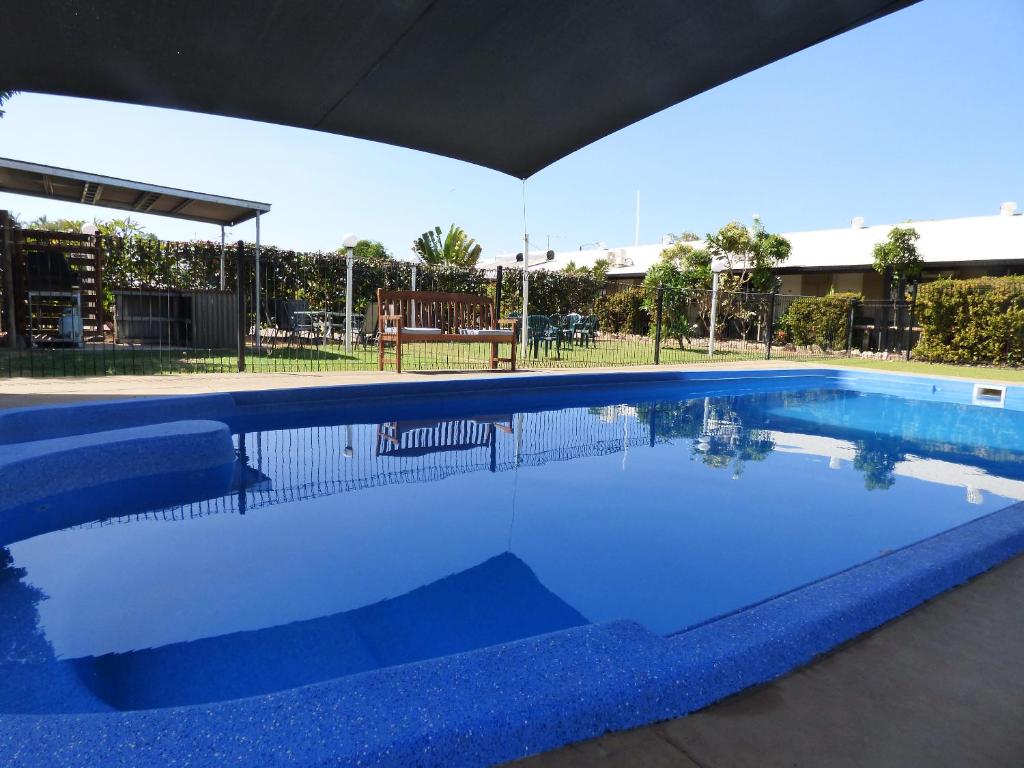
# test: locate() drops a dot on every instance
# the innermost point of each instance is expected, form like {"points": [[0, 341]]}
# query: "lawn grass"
{"points": [[606, 353], [142, 361], [935, 369]]}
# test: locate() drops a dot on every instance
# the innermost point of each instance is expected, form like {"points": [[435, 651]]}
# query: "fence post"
{"points": [[910, 325], [849, 326], [243, 320], [497, 295], [657, 328], [770, 332], [8, 265]]}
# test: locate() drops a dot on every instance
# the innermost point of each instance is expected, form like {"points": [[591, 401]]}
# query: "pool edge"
{"points": [[533, 695]]}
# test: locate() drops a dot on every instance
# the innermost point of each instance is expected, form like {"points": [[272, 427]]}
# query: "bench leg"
{"points": [[398, 357], [513, 355], [380, 354], [494, 356]]}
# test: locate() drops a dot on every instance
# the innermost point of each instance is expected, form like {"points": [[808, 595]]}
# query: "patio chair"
{"points": [[586, 329], [367, 334], [539, 329], [289, 324], [568, 330]]}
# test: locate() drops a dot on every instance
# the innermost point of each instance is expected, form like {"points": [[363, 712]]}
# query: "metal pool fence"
{"points": [[74, 305]]}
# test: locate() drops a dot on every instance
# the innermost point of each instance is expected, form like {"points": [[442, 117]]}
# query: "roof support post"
{"points": [[223, 277], [7, 247], [259, 326]]}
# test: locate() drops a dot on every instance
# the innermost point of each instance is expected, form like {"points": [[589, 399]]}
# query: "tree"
{"points": [[685, 274], [897, 258], [454, 249], [751, 255], [126, 227], [371, 251], [599, 271], [5, 96], [57, 225]]}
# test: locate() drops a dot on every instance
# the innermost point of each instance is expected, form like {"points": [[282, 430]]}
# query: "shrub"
{"points": [[972, 321], [820, 320], [623, 312]]}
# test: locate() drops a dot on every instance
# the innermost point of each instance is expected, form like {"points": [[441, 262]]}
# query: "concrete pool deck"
{"points": [[939, 686]]}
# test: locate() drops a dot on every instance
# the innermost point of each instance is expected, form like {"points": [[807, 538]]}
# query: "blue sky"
{"points": [[916, 116]]}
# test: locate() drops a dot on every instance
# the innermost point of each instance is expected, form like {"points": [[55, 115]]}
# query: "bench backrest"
{"points": [[450, 312]]}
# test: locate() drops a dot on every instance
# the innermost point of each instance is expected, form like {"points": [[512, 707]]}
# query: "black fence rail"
{"points": [[80, 305]]}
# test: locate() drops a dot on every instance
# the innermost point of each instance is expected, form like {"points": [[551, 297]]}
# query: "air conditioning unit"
{"points": [[618, 258]]}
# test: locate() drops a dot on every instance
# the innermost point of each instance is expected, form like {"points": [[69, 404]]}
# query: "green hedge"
{"points": [[315, 276], [623, 312], [551, 293], [972, 321], [820, 320]]}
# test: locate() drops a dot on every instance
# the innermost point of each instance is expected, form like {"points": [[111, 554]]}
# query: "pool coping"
{"points": [[508, 701]]}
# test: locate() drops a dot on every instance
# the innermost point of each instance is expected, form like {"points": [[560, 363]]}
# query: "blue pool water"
{"points": [[340, 548]]}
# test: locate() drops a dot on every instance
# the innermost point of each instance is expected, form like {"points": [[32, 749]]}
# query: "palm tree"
{"points": [[454, 249], [5, 96]]}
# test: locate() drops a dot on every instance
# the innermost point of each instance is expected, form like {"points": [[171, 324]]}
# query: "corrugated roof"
{"points": [[24, 178]]}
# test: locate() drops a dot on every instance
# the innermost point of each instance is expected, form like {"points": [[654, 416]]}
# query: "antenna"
{"points": [[636, 235]]}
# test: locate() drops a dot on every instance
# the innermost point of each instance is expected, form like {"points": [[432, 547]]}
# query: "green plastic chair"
{"points": [[539, 329], [586, 330], [569, 325]]}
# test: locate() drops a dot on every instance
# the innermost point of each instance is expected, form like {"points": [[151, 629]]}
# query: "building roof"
{"points": [[975, 239], [509, 84], [23, 178]]}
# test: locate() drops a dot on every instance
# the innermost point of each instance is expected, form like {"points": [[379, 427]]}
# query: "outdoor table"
{"points": [[326, 320]]}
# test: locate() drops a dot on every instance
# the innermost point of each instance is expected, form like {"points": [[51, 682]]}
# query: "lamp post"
{"points": [[349, 244], [718, 266]]}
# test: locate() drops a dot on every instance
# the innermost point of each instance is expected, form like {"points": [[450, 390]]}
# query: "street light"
{"points": [[349, 244]]}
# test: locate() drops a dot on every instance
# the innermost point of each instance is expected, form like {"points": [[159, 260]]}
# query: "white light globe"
{"points": [[350, 241]]}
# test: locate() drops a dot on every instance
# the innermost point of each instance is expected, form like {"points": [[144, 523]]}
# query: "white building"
{"points": [[841, 259]]}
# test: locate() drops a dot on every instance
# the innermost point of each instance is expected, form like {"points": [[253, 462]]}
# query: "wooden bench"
{"points": [[408, 317]]}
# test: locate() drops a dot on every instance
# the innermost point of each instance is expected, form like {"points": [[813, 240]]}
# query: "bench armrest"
{"points": [[396, 319], [508, 322]]}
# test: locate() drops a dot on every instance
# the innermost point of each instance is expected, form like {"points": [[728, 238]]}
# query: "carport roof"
{"points": [[24, 178]]}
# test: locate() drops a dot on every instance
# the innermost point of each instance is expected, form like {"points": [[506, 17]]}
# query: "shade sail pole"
{"points": [[525, 318], [259, 327]]}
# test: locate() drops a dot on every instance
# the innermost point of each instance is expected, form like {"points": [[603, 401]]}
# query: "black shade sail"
{"points": [[509, 84]]}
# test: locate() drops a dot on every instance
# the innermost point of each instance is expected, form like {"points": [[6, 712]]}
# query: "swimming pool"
{"points": [[343, 548]]}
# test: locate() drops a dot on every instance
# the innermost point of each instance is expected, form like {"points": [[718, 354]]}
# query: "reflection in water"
{"points": [[21, 638], [724, 432], [877, 459], [365, 545]]}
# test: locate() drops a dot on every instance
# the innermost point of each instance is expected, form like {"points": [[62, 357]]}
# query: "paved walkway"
{"points": [[16, 393], [942, 687], [20, 392]]}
